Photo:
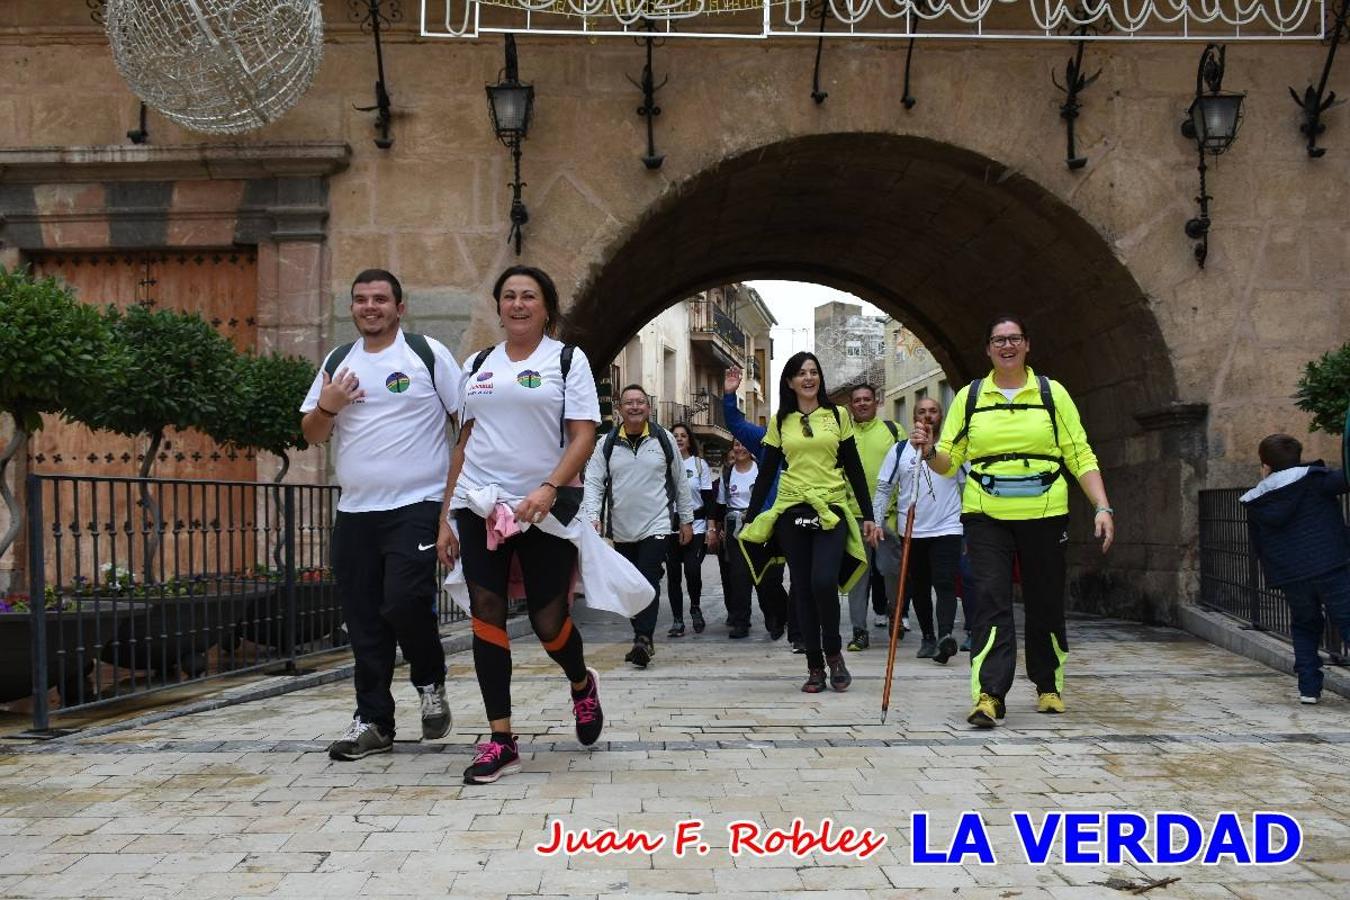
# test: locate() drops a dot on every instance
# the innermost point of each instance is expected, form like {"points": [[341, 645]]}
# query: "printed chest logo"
{"points": [[484, 376], [529, 379], [397, 382]]}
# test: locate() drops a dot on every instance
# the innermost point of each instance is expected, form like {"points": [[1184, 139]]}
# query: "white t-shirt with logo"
{"points": [[515, 408], [698, 474], [390, 448], [736, 488]]}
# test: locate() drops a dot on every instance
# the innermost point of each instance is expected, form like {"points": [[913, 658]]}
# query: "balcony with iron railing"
{"points": [[714, 332]]}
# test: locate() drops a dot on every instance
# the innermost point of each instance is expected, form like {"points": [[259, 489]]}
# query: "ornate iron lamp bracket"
{"points": [[1317, 100], [816, 93], [649, 110], [374, 15], [1074, 84], [141, 133], [907, 99]]}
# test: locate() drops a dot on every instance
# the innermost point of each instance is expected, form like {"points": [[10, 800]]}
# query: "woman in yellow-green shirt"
{"points": [[1023, 438], [809, 523]]}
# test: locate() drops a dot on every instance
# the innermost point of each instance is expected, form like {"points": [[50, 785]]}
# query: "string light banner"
{"points": [[1107, 20]]}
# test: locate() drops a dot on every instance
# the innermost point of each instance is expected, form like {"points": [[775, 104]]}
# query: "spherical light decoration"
{"points": [[217, 66]]}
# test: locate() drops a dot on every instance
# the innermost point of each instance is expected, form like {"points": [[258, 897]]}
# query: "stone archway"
{"points": [[943, 239]]}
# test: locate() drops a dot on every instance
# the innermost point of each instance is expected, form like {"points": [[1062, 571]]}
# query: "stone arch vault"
{"points": [[942, 238]]}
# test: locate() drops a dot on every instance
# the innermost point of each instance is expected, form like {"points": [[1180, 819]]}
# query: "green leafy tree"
{"points": [[54, 352], [263, 408], [173, 372], [1324, 390]]}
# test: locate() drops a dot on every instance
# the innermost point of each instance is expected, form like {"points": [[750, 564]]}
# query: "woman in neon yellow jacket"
{"points": [[1023, 438], [809, 523]]}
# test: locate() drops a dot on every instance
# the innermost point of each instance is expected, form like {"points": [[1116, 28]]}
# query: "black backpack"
{"points": [[416, 341], [564, 363], [1047, 403], [607, 449]]}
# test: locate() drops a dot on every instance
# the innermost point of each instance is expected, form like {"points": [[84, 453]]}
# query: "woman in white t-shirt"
{"points": [[733, 498], [935, 551], [527, 429], [687, 560]]}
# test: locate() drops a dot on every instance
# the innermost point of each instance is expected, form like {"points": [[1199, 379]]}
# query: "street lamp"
{"points": [[1212, 122], [511, 104]]}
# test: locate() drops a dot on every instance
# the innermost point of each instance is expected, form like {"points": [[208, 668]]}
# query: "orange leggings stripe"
{"points": [[491, 633], [560, 641]]}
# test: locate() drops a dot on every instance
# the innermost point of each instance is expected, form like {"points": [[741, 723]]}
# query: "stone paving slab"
{"points": [[243, 802]]}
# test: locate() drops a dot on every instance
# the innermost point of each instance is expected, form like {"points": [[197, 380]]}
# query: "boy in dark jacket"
{"points": [[1300, 537]]}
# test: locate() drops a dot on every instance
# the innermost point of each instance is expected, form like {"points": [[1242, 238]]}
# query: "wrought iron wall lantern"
{"points": [[1317, 100], [511, 104], [1212, 122], [373, 15]]}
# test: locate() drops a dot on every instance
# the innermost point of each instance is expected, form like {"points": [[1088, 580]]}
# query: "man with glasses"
{"points": [[636, 494]]}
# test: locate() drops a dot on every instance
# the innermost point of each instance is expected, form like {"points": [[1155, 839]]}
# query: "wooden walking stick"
{"points": [[900, 591]]}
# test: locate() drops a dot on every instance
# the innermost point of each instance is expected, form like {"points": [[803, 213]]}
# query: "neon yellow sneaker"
{"points": [[1050, 702], [986, 712]]}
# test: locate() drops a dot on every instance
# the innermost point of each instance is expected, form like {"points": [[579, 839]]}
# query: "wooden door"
{"points": [[222, 286], [206, 529]]}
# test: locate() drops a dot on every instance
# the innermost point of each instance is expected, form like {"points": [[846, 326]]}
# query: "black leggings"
{"points": [[814, 557], [546, 565], [686, 561]]}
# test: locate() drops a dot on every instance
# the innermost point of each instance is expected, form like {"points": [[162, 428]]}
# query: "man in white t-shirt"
{"points": [[385, 400]]}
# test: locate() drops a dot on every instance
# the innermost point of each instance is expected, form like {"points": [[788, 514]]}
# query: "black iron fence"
{"points": [[139, 585], [1231, 579]]}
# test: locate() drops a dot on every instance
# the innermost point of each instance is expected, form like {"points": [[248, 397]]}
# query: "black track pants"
{"points": [[385, 566], [1040, 545]]}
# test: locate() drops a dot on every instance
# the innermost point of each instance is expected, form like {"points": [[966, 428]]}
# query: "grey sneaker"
{"points": [[362, 739], [928, 648], [435, 712]]}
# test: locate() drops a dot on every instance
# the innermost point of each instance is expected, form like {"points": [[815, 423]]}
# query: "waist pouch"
{"points": [[1016, 485]]}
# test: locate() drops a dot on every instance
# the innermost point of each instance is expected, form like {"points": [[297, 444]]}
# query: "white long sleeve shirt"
{"points": [[639, 504], [936, 514]]}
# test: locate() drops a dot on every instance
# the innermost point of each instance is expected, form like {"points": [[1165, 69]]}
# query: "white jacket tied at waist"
{"points": [[609, 581]]}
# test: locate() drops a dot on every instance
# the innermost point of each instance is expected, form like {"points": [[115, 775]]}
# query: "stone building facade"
{"points": [[911, 375], [942, 215]]}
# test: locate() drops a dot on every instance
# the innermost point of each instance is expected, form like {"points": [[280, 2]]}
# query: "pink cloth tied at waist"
{"points": [[501, 527]]}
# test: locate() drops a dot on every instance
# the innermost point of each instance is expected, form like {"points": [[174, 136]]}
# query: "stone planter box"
{"points": [[318, 617], [76, 637], [171, 635]]}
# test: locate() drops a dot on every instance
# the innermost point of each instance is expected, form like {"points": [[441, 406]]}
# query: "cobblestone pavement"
{"points": [[243, 802]]}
